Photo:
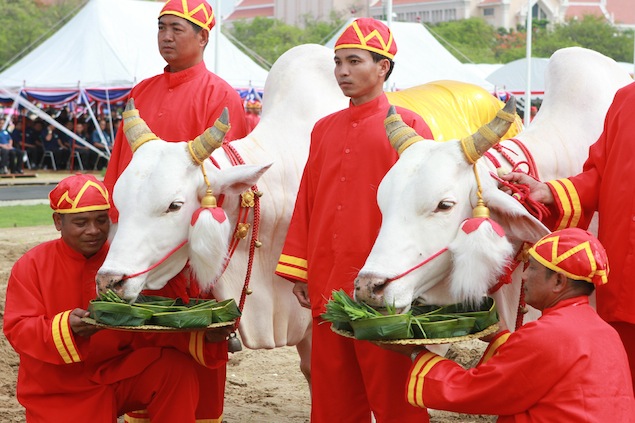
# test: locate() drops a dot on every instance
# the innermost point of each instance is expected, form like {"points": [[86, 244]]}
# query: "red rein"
{"points": [[158, 263]]}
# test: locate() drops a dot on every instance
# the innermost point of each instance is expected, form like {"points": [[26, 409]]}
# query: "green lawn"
{"points": [[21, 216]]}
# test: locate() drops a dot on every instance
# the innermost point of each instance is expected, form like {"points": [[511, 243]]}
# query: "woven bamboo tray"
{"points": [[155, 328], [425, 341]]}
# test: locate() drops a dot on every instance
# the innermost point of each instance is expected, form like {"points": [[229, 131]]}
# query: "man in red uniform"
{"points": [[185, 100], [178, 105], [603, 186], [333, 228], [70, 370], [567, 366]]}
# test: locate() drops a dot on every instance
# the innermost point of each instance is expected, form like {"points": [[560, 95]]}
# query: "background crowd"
{"points": [[40, 145]]}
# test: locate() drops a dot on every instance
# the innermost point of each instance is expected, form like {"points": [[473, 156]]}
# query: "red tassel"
{"points": [[473, 223], [217, 213]]}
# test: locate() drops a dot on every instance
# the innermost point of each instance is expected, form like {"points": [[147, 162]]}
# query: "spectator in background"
{"points": [[29, 142], [85, 153], [58, 144], [10, 156], [104, 146]]}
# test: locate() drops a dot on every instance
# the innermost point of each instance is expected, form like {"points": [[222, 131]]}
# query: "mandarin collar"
{"points": [[575, 301], [177, 78], [380, 103], [77, 256]]}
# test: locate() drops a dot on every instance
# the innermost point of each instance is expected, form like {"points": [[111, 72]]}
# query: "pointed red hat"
{"points": [[79, 193], [575, 253], [368, 34], [198, 12]]}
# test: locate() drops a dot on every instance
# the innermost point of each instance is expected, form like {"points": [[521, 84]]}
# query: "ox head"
{"points": [[159, 197], [430, 202]]}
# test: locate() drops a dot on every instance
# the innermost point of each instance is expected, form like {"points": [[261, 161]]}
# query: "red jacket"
{"points": [[336, 217], [178, 107], [63, 376], [605, 186], [567, 366]]}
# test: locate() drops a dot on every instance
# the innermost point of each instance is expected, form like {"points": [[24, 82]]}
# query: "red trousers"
{"points": [[627, 334], [212, 393], [350, 379]]}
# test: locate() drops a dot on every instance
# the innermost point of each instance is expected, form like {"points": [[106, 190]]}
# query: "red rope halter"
{"points": [[158, 263]]}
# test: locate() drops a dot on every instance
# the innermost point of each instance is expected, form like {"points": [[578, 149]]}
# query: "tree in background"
{"points": [[270, 38], [591, 32], [472, 39], [24, 25]]}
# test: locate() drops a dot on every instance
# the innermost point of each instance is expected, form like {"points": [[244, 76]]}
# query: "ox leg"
{"points": [[304, 351]]}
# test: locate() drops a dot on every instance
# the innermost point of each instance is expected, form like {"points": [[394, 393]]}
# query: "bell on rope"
{"points": [[249, 291], [233, 343]]}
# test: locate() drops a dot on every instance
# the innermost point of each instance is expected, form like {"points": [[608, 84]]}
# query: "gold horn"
{"points": [[203, 145], [400, 135], [136, 130], [490, 134]]}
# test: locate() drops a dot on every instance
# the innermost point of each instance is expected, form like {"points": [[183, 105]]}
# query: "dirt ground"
{"points": [[263, 386]]}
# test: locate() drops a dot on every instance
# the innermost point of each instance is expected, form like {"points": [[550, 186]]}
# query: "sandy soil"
{"points": [[263, 386]]}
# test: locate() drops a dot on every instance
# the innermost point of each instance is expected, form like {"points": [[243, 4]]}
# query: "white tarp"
{"points": [[512, 77], [421, 58], [483, 69], [113, 43]]}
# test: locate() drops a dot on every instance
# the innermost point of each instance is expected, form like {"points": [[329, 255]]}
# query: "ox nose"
{"points": [[106, 281], [370, 289]]}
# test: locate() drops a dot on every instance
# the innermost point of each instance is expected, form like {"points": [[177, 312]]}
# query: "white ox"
{"points": [[432, 189], [161, 188]]}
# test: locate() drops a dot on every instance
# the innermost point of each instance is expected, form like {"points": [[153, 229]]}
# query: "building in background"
{"points": [[498, 13]]}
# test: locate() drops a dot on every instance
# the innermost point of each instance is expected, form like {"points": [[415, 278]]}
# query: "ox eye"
{"points": [[445, 205], [175, 206]]}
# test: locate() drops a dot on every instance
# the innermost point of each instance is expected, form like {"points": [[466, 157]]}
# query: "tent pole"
{"points": [[112, 132], [389, 22], [38, 112], [94, 119], [216, 9]]}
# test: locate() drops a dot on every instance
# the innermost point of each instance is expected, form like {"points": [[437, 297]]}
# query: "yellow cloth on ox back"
{"points": [[452, 109]]}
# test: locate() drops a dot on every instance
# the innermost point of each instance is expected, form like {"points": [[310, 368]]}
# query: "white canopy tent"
{"points": [[102, 52], [113, 44], [483, 69], [512, 77], [421, 58]]}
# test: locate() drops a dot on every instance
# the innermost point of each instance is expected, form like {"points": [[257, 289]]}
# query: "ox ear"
{"points": [[238, 179], [517, 222]]}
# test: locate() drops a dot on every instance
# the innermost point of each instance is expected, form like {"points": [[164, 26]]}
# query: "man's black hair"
{"points": [[378, 57], [583, 287]]}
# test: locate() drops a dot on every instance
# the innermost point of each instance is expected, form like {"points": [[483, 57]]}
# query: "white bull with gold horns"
{"points": [[436, 243], [162, 187]]}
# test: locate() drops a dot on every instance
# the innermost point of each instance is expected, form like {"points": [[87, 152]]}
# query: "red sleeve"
{"points": [[509, 382], [30, 331], [211, 355], [293, 262]]}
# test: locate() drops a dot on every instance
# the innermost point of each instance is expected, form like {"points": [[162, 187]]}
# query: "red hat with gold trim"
{"points": [[368, 34], [574, 252], [198, 12], [79, 193]]}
